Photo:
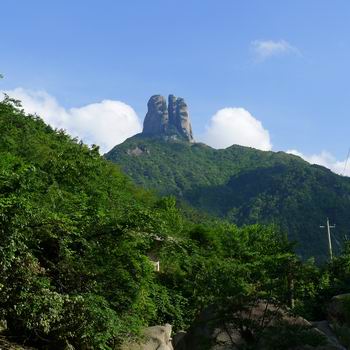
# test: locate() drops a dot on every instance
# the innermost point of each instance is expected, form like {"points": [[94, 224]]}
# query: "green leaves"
{"points": [[72, 244], [244, 185], [77, 240]]}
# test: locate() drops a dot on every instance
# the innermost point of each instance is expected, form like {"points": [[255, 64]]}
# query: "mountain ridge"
{"points": [[243, 185]]}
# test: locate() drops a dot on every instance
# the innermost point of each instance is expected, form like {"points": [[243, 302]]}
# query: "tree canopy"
{"points": [[77, 240], [244, 186]]}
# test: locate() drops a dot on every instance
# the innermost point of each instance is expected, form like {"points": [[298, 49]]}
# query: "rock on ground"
{"points": [[154, 338]]}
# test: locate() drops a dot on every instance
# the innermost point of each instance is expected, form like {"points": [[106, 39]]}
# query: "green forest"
{"points": [[78, 239], [244, 186]]}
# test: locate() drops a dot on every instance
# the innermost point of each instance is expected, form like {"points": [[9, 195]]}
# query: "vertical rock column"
{"points": [[157, 119], [168, 120], [182, 120], [172, 110]]}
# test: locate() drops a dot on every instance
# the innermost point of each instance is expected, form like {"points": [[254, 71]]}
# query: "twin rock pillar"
{"points": [[171, 119]]}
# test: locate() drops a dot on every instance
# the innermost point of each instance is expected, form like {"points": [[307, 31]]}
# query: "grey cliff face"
{"points": [[172, 109], [156, 120], [172, 120], [183, 119]]}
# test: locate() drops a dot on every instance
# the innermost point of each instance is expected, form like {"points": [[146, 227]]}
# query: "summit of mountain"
{"points": [[170, 120]]}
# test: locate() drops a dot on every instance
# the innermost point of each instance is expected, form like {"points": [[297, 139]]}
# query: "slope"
{"points": [[244, 185], [74, 239]]}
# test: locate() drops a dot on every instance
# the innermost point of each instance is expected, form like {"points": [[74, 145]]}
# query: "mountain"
{"points": [[241, 184], [79, 243]]}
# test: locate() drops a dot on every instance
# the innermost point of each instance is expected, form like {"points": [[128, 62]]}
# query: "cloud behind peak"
{"points": [[230, 126]]}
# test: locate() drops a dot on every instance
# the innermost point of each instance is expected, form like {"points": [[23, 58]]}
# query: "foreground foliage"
{"points": [[77, 239]]}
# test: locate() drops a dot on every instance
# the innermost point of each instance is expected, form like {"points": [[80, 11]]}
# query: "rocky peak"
{"points": [[157, 119], [172, 120]]}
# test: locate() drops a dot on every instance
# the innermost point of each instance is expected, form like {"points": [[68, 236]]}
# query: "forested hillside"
{"points": [[244, 186], [77, 240]]}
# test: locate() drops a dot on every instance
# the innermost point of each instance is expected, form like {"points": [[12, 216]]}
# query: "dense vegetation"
{"points": [[76, 238], [244, 186]]}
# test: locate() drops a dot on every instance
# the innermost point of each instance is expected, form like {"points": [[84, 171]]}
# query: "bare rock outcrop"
{"points": [[182, 119], [170, 120], [157, 119], [172, 109]]}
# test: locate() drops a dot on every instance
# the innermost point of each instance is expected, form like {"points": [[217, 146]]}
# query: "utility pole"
{"points": [[329, 227]]}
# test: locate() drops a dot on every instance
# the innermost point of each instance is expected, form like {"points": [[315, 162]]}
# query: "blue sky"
{"points": [[285, 62]]}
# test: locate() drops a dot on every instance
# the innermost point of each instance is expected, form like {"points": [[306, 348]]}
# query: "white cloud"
{"points": [[264, 49], [325, 159], [236, 126], [106, 123]]}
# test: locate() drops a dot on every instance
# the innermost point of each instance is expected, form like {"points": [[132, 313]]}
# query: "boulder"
{"points": [[325, 328], [178, 340], [260, 326], [154, 338], [337, 309], [339, 317]]}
